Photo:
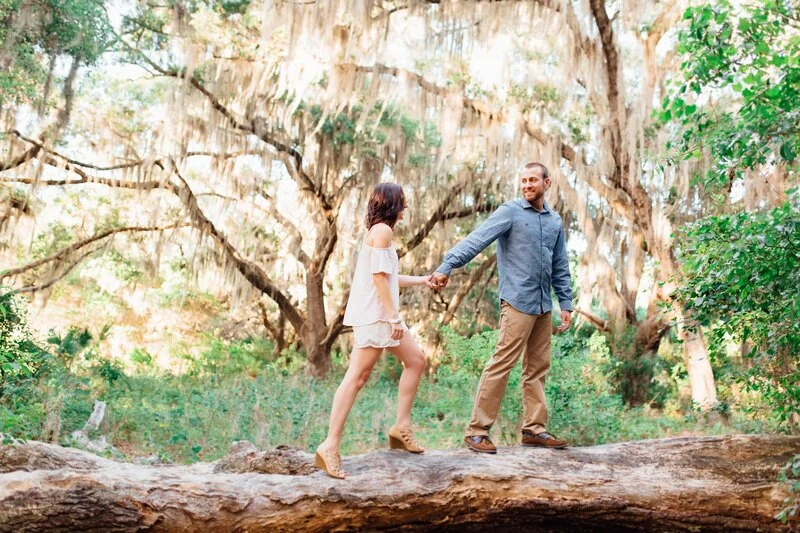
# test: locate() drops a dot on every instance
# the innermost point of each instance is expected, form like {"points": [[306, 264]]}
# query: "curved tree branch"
{"points": [[50, 282], [252, 126], [595, 320], [251, 271], [69, 250], [21, 159], [463, 289], [437, 217], [296, 245]]}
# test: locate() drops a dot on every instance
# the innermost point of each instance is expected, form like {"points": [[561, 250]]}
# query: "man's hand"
{"points": [[438, 281], [566, 321]]}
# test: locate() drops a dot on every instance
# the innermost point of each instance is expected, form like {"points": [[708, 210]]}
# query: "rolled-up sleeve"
{"points": [[561, 276], [461, 254]]}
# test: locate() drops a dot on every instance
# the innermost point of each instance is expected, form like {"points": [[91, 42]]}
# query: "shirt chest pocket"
{"points": [[549, 237], [536, 234]]}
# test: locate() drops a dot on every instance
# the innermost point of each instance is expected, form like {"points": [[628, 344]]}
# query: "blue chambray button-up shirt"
{"points": [[531, 255]]}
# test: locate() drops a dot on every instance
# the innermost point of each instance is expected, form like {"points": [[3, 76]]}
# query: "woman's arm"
{"points": [[381, 280], [412, 281], [382, 238]]}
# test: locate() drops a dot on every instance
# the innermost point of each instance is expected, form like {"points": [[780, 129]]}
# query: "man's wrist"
{"points": [[444, 269]]}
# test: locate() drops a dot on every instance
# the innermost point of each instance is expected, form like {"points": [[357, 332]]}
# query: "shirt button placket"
{"points": [[541, 266]]}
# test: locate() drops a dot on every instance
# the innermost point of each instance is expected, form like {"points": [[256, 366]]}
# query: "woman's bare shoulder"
{"points": [[380, 236]]}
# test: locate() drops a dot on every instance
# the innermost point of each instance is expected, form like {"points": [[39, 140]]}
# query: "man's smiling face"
{"points": [[534, 184]]}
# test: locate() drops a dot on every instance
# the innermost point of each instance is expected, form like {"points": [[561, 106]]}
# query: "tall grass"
{"points": [[235, 391]]}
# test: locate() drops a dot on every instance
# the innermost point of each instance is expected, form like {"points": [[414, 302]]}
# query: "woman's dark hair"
{"points": [[385, 204]]}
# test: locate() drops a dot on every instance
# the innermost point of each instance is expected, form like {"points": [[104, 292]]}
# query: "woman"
{"points": [[373, 312]]}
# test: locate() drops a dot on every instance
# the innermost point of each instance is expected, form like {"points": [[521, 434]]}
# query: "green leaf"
{"points": [[787, 152]]}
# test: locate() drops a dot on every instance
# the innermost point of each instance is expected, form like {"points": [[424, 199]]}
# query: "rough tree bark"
{"points": [[678, 484]]}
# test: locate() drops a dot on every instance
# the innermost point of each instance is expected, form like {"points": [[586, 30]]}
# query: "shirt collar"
{"points": [[526, 205]]}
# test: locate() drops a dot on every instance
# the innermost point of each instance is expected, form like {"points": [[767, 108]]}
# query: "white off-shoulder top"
{"points": [[363, 305]]}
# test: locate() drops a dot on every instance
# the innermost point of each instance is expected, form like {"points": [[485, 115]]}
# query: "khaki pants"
{"points": [[518, 332]]}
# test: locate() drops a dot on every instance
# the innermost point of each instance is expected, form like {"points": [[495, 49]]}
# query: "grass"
{"points": [[233, 392]]}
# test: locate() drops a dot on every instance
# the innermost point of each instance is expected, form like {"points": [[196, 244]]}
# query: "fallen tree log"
{"points": [[688, 483]]}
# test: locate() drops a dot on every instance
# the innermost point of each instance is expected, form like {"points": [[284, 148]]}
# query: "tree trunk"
{"points": [[679, 484], [315, 329], [698, 365]]}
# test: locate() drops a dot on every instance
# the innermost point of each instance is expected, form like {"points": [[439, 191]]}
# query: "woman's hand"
{"points": [[397, 330]]}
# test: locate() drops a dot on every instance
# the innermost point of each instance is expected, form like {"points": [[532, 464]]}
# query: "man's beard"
{"points": [[535, 196]]}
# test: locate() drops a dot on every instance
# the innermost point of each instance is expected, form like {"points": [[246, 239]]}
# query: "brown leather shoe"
{"points": [[480, 443], [543, 440]]}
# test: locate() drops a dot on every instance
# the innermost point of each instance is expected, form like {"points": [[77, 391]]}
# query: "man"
{"points": [[531, 257]]}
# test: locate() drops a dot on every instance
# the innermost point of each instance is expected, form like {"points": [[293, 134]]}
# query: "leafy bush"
{"points": [[742, 280], [48, 390], [790, 477], [21, 358], [738, 95]]}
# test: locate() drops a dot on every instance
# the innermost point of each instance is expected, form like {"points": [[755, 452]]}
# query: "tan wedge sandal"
{"points": [[403, 439], [330, 462]]}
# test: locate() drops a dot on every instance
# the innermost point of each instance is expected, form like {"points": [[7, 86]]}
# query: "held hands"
{"points": [[437, 281], [566, 321]]}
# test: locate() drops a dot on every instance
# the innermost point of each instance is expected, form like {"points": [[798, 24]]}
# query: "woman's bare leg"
{"points": [[362, 361], [414, 363]]}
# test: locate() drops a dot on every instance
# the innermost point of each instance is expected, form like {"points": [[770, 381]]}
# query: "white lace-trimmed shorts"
{"points": [[375, 335]]}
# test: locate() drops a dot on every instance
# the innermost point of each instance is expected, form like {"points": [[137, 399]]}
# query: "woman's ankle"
{"points": [[328, 444]]}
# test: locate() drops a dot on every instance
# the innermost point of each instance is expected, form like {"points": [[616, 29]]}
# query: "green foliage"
{"points": [[54, 238], [22, 361], [147, 27], [578, 127], [78, 28], [232, 7], [536, 96], [232, 358], [54, 396], [581, 404], [738, 104], [21, 358], [431, 136], [123, 268], [409, 127], [790, 477], [231, 391], [31, 32], [739, 99], [632, 373], [742, 279], [350, 128]]}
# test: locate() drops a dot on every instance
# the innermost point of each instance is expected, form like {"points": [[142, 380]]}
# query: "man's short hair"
{"points": [[545, 172]]}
